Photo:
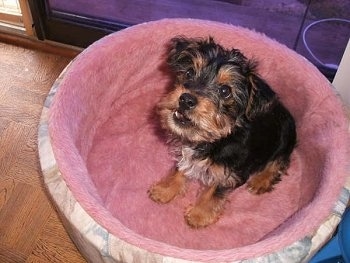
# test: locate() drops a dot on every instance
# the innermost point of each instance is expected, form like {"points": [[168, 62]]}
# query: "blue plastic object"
{"points": [[338, 249]]}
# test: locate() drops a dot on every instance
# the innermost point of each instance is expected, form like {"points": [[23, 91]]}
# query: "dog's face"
{"points": [[210, 91]]}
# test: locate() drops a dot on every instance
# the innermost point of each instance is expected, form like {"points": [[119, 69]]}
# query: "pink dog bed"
{"points": [[108, 149]]}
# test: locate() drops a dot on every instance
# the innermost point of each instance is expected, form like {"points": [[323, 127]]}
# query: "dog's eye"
{"points": [[225, 92], [189, 73]]}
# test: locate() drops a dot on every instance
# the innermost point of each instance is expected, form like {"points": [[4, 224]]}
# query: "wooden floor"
{"points": [[30, 230]]}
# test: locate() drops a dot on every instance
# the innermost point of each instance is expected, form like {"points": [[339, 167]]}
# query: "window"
{"points": [[81, 22], [15, 16], [302, 25]]}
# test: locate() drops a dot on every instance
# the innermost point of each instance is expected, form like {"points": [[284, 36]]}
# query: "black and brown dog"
{"points": [[227, 125]]}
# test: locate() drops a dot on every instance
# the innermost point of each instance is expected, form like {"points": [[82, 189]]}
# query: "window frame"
{"points": [[69, 29], [19, 21]]}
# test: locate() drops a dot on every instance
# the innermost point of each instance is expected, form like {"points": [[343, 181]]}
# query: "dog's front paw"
{"points": [[197, 216], [162, 193], [165, 190]]}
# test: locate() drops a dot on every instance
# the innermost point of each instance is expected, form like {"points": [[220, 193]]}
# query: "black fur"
{"points": [[267, 137]]}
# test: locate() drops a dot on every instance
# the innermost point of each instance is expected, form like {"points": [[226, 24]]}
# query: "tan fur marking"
{"points": [[211, 123], [168, 188], [224, 76], [264, 181], [207, 209], [199, 63], [251, 95], [229, 74]]}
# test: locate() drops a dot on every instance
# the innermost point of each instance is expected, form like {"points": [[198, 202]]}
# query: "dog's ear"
{"points": [[253, 82], [237, 58], [177, 45], [260, 95], [180, 43], [247, 69]]}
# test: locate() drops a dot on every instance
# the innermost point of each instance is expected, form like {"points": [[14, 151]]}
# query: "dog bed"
{"points": [[101, 148]]}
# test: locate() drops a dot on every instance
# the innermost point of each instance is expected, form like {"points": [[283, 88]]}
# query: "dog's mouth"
{"points": [[181, 118]]}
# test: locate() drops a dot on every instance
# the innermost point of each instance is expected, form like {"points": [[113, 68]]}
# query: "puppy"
{"points": [[226, 124]]}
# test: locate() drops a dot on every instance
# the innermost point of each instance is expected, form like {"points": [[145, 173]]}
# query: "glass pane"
{"points": [[278, 20], [326, 32], [283, 20]]}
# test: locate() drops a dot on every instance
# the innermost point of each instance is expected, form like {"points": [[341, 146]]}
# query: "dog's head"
{"points": [[213, 88]]}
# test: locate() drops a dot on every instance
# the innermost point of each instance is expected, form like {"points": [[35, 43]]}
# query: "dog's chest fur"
{"points": [[203, 168]]}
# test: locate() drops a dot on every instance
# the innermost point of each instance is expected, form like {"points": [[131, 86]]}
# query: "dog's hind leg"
{"points": [[265, 180]]}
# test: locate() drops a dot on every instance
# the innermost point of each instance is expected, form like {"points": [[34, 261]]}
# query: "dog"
{"points": [[227, 127]]}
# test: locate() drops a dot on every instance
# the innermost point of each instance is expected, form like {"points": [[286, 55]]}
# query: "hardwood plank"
{"points": [[8, 148], [23, 217], [4, 123], [51, 246], [29, 228], [6, 188], [9, 255], [26, 174], [35, 259], [20, 94], [33, 70], [26, 167], [25, 115]]}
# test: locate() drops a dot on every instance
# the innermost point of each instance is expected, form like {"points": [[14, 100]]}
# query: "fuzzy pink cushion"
{"points": [[110, 149]]}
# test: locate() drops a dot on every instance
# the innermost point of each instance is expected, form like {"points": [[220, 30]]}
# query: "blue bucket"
{"points": [[338, 249]]}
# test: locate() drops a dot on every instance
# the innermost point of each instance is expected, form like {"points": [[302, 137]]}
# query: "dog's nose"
{"points": [[187, 101]]}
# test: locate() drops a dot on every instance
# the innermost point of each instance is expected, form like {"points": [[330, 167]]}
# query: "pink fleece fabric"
{"points": [[110, 148]]}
